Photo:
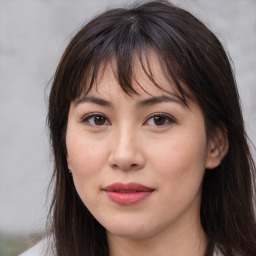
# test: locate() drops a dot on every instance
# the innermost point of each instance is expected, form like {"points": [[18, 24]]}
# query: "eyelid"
{"points": [[169, 117], [86, 117]]}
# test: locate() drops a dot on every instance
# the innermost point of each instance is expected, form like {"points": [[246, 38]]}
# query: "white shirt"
{"points": [[37, 250]]}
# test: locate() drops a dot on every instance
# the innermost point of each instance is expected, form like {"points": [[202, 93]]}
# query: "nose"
{"points": [[126, 151]]}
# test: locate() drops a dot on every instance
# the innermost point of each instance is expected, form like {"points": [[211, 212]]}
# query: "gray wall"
{"points": [[33, 34]]}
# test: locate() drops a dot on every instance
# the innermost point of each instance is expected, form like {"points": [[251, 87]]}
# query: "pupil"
{"points": [[159, 120], [99, 120]]}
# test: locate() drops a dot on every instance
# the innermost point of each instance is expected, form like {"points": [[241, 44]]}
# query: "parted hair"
{"points": [[191, 55]]}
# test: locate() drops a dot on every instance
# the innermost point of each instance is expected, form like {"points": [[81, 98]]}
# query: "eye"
{"points": [[96, 120], [159, 120]]}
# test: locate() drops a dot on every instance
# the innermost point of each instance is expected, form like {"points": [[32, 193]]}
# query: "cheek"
{"points": [[85, 159], [180, 171], [87, 163], [181, 163]]}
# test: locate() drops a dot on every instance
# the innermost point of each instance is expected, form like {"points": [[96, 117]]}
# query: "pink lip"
{"points": [[127, 194]]}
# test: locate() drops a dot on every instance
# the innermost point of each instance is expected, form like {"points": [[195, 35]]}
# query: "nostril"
{"points": [[115, 166], [132, 166], [126, 160]]}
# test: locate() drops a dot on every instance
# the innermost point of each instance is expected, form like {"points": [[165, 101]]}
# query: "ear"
{"points": [[217, 148]]}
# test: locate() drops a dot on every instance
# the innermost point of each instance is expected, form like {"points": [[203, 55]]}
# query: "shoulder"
{"points": [[40, 249]]}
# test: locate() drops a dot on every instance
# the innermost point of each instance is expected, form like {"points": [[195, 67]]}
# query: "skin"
{"points": [[128, 145]]}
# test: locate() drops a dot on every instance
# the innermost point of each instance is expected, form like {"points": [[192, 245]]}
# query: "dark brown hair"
{"points": [[191, 55]]}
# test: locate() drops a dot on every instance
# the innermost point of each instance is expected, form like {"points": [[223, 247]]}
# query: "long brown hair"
{"points": [[191, 55]]}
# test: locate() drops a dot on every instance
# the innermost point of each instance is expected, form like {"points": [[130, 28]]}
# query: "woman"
{"points": [[151, 156]]}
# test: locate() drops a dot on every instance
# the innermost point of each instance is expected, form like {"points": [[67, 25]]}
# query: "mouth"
{"points": [[128, 194]]}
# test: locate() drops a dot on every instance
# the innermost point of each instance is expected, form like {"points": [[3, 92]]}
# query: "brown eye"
{"points": [[99, 120], [159, 120], [96, 120]]}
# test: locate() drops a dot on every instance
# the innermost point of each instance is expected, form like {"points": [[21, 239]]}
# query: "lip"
{"points": [[128, 194]]}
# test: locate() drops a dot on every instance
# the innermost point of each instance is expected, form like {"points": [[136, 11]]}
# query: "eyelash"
{"points": [[86, 119], [167, 119]]}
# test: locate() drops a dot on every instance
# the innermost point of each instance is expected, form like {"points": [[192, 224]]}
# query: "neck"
{"points": [[189, 240]]}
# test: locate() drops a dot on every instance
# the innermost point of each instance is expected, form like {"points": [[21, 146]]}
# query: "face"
{"points": [[138, 162]]}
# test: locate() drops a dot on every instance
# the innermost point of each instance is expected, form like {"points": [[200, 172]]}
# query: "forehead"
{"points": [[147, 77]]}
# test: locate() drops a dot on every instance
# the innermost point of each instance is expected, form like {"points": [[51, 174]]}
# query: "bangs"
{"points": [[126, 41], [127, 75]]}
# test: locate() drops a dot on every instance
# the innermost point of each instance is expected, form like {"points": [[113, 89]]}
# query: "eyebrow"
{"points": [[94, 100], [159, 99], [146, 102]]}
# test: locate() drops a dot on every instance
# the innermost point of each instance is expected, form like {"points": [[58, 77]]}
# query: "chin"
{"points": [[130, 234], [132, 231]]}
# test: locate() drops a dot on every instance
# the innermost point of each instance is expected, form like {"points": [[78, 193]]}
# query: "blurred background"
{"points": [[33, 35]]}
